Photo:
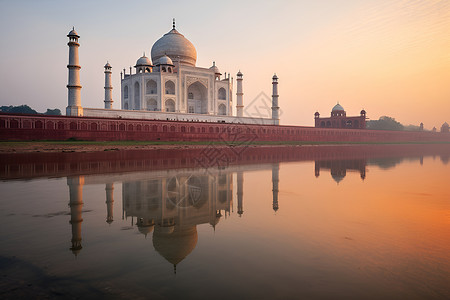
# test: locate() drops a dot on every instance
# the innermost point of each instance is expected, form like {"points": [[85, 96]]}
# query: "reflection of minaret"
{"points": [[76, 205], [109, 202], [421, 160], [275, 180], [240, 192], [317, 168]]}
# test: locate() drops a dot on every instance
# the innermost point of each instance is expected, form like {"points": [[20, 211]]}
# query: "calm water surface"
{"points": [[276, 223]]}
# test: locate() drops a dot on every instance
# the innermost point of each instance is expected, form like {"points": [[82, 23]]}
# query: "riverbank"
{"points": [[89, 146]]}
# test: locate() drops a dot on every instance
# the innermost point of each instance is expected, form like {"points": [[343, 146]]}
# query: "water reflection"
{"points": [[169, 205], [339, 168], [388, 200]]}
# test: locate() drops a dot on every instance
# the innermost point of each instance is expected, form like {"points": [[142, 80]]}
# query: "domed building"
{"points": [[171, 82], [339, 119]]}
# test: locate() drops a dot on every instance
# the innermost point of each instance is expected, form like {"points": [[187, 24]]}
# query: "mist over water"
{"points": [[268, 222]]}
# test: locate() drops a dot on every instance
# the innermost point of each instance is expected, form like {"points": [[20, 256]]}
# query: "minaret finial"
{"points": [[73, 27], [173, 23], [144, 54]]}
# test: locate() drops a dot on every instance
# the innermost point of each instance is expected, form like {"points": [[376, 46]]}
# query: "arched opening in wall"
{"points": [[50, 125], [170, 87], [322, 124], [26, 124], [222, 110], [328, 124], [93, 126], [198, 102], [38, 125], [152, 105], [165, 128], [222, 94], [83, 126], [192, 129], [137, 96], [125, 92], [343, 124], [146, 128], [172, 128], [151, 87], [163, 69], [183, 129], [13, 124], [2, 123], [125, 106], [170, 105], [73, 126], [147, 70], [356, 124], [122, 127], [130, 127], [60, 125], [349, 123], [154, 128]]}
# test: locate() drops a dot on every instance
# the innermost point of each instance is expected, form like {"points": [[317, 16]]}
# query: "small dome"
{"points": [[107, 65], [73, 33], [337, 107], [275, 77], [363, 112], [146, 229], [239, 74], [165, 60], [143, 61], [215, 69], [316, 113]]}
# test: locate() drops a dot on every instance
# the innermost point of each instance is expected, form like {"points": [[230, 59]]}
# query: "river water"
{"points": [[310, 222]]}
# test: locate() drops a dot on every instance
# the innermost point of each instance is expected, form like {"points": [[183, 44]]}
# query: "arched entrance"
{"points": [[197, 98]]}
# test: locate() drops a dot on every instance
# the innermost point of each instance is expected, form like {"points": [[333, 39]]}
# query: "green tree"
{"points": [[53, 112], [21, 109], [384, 123]]}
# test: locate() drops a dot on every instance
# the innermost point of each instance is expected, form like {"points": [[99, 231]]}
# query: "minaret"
{"points": [[108, 87], [275, 180], [76, 206], [240, 192], [109, 203], [275, 106], [74, 94], [239, 96]]}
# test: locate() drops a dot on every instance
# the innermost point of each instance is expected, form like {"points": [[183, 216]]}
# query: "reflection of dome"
{"points": [[176, 46], [166, 229], [337, 107], [143, 61], [176, 246], [338, 175]]}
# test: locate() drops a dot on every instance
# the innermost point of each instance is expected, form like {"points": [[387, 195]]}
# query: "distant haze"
{"points": [[389, 57]]}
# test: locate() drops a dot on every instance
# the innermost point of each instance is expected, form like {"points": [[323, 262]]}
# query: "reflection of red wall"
{"points": [[33, 127], [29, 165]]}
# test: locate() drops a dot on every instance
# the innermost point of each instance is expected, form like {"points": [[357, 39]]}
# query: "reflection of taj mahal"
{"points": [[168, 204]]}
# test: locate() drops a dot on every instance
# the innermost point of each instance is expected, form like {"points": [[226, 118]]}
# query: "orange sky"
{"points": [[390, 57]]}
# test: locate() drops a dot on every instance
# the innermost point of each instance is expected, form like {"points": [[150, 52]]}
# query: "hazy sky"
{"points": [[390, 57]]}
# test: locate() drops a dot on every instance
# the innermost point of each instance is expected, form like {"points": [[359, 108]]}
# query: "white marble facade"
{"points": [[171, 82]]}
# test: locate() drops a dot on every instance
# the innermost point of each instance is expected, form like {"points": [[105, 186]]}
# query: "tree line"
{"points": [[25, 109]]}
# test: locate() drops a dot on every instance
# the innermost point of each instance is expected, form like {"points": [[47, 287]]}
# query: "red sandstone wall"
{"points": [[38, 127]]}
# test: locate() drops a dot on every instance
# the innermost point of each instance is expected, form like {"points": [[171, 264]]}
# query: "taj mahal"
{"points": [[169, 86]]}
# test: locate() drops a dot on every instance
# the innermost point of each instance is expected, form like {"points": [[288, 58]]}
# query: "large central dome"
{"points": [[176, 46]]}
